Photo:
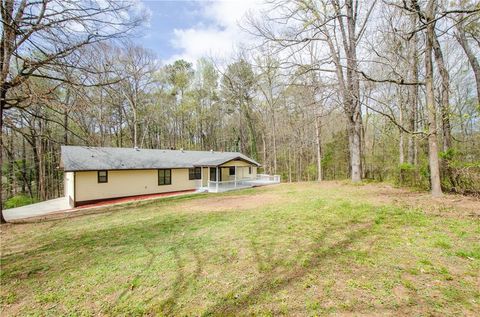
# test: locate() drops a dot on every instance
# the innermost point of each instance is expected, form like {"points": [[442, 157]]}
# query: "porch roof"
{"points": [[218, 162]]}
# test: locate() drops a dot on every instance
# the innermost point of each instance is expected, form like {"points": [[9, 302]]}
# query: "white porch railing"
{"points": [[259, 180], [268, 178], [217, 187]]}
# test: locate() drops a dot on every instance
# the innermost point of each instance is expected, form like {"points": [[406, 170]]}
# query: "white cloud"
{"points": [[219, 34], [230, 13]]}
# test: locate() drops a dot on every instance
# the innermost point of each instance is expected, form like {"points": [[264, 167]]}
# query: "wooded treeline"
{"points": [[328, 90]]}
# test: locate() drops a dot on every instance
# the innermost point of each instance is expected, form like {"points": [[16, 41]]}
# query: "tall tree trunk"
{"points": [[289, 166], [65, 127], [430, 102], [274, 137], [444, 96], [355, 132], [135, 128], [353, 83], [10, 167], [24, 167], [319, 148], [401, 153], [36, 166], [266, 165], [120, 118], [349, 89], [252, 140], [2, 105], [413, 94], [472, 57], [65, 117]]}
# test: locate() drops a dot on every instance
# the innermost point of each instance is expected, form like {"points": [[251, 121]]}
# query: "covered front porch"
{"points": [[233, 175]]}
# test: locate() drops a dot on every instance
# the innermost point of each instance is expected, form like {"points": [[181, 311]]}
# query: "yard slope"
{"points": [[291, 249]]}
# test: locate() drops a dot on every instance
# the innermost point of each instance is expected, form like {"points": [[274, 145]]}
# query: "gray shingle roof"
{"points": [[83, 158]]}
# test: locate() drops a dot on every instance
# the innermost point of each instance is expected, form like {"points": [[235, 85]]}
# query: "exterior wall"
{"points": [[245, 174], [123, 183], [225, 174], [205, 176], [242, 170], [69, 184]]}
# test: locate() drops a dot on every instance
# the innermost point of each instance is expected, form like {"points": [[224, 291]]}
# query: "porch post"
{"points": [[201, 176], [235, 176], [216, 176]]}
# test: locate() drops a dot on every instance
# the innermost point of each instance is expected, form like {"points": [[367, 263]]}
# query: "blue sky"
{"points": [[165, 16], [192, 29]]}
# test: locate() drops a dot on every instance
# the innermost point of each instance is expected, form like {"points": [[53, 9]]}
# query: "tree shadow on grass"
{"points": [[276, 278], [180, 285], [138, 276], [118, 235]]}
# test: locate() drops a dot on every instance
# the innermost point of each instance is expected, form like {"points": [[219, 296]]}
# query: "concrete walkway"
{"points": [[38, 209], [60, 205]]}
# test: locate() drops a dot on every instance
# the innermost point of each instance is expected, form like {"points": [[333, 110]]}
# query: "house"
{"points": [[94, 174]]}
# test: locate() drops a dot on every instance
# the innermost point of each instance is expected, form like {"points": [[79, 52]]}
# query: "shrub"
{"points": [[412, 176], [18, 201], [462, 178]]}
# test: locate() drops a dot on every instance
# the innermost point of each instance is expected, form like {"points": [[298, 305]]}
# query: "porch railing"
{"points": [[217, 187], [260, 179], [268, 178]]}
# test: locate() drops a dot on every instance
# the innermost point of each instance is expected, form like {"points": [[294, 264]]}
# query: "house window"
{"points": [[249, 170], [102, 176], [194, 173], [231, 171], [213, 174], [165, 177]]}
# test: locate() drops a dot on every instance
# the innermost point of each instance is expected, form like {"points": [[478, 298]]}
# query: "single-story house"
{"points": [[94, 174]]}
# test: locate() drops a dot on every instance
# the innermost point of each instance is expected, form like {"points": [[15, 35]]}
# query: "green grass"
{"points": [[299, 249]]}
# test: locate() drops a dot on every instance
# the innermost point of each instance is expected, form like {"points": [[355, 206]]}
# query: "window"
{"points": [[102, 176], [165, 177], [249, 170], [213, 174], [231, 171], [194, 173]]}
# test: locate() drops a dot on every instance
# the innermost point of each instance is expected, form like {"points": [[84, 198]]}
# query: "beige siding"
{"points": [[205, 176], [225, 174], [242, 170], [70, 187], [128, 183], [237, 163]]}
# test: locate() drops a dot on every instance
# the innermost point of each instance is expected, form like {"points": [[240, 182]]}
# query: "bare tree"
{"points": [[39, 36], [461, 36], [342, 32], [136, 66]]}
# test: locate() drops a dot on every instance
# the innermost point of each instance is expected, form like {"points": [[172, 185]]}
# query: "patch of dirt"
{"points": [[401, 292], [232, 202]]}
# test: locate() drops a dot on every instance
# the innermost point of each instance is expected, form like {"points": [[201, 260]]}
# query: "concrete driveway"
{"points": [[38, 209]]}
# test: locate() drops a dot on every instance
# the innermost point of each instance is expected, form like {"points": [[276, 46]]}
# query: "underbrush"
{"points": [[18, 201]]}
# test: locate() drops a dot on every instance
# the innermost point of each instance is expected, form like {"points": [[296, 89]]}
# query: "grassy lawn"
{"points": [[291, 249]]}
